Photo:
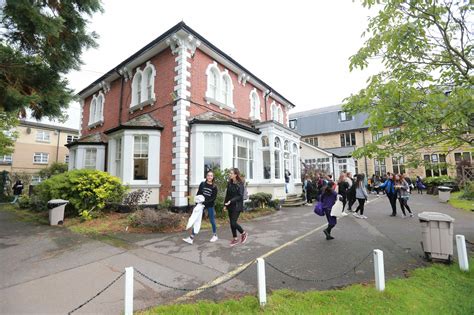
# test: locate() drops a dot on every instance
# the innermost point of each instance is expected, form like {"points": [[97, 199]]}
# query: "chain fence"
{"points": [[321, 279], [98, 293], [201, 288]]}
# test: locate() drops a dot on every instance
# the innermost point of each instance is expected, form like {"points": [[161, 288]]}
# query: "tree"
{"points": [[40, 41], [427, 85]]}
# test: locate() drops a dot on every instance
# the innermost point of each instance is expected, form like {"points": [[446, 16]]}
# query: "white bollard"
{"points": [[379, 270], [128, 291], [462, 253], [262, 287]]}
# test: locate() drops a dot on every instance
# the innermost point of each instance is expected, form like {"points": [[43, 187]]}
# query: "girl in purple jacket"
{"points": [[328, 199]]}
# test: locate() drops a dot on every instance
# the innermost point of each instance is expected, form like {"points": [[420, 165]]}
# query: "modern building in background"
{"points": [[178, 107], [339, 133], [37, 146]]}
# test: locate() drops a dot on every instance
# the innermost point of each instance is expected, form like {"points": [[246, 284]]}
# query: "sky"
{"points": [[300, 48]]}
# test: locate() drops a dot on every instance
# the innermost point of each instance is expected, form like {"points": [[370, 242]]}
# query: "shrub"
{"points": [[86, 190], [157, 220], [275, 204], [165, 204], [24, 202], [438, 180], [221, 178], [55, 169], [468, 191], [261, 199], [135, 198]]}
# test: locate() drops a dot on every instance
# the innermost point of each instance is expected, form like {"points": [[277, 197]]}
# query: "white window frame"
{"points": [[215, 93], [71, 138], [206, 152], [96, 110], [43, 136], [141, 155], [295, 159], [36, 179], [143, 87], [91, 166], [277, 153], [43, 158], [343, 116], [254, 104], [249, 160], [6, 159]]}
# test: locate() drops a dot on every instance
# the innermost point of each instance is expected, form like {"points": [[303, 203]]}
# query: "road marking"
{"points": [[242, 267]]}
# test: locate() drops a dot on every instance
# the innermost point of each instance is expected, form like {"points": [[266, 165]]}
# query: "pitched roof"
{"points": [[342, 151], [213, 118], [326, 120], [47, 126], [92, 139], [113, 73], [145, 121]]}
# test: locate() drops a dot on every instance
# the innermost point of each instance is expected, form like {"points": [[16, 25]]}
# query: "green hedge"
{"points": [[86, 190]]}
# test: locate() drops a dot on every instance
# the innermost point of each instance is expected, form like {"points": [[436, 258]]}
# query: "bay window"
{"points": [[277, 148], [140, 157], [118, 157], [243, 156], [212, 151], [90, 159]]}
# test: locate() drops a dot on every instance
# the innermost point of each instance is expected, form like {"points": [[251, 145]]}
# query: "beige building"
{"points": [[335, 131], [38, 146]]}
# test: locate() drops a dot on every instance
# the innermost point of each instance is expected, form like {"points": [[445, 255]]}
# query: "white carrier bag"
{"points": [[336, 210], [196, 217]]}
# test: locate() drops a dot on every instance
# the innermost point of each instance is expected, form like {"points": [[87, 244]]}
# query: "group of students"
{"points": [[350, 189], [233, 204]]}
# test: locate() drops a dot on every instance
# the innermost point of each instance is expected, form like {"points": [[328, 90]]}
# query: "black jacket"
{"points": [[343, 188], [17, 189], [209, 192], [235, 194]]}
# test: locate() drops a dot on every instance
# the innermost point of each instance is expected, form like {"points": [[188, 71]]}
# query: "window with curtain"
{"points": [[118, 157], [212, 151], [140, 157], [277, 152], [90, 159], [243, 156]]}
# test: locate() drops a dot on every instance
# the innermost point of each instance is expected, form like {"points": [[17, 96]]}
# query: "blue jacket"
{"points": [[388, 186]]}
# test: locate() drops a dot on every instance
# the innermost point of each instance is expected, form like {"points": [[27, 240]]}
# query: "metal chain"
{"points": [[99, 293], [318, 280], [196, 289]]}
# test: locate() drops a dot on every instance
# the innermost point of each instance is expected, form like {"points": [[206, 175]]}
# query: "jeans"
{"points": [[404, 204], [212, 218], [332, 221], [234, 226], [16, 198], [360, 206]]}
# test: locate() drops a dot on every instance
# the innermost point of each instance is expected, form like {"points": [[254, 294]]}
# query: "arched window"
{"points": [[286, 155], [280, 115], [213, 79], [277, 148], [149, 84], [273, 111], [227, 89], [143, 86], [254, 105], [100, 107], [92, 111], [137, 88], [267, 163]]}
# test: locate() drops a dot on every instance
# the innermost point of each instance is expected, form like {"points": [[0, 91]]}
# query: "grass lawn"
{"points": [[25, 215], [438, 289], [464, 204]]}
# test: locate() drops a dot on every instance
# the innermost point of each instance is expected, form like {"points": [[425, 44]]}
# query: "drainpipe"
{"points": [[333, 168], [267, 94], [57, 145], [121, 96]]}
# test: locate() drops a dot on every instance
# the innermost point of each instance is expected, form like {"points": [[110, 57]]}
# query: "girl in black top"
{"points": [[17, 190], [209, 190], [234, 203]]}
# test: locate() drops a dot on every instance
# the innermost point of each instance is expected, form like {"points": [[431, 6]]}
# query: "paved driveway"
{"points": [[51, 270]]}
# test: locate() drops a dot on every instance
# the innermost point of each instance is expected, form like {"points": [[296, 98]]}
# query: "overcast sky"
{"points": [[300, 48]]}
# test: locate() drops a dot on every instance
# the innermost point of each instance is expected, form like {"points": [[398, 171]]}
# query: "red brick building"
{"points": [[177, 107]]}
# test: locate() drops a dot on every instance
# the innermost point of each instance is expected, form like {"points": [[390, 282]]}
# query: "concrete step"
{"points": [[291, 195], [293, 204], [293, 199]]}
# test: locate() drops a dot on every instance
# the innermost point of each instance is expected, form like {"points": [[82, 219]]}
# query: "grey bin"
{"points": [[437, 233], [56, 211], [444, 193]]}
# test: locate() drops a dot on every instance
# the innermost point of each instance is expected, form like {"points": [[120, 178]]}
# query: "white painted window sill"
{"points": [[230, 108], [140, 106], [40, 163], [43, 141], [96, 124]]}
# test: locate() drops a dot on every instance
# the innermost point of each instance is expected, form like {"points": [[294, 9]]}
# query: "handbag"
{"points": [[336, 210], [318, 209]]}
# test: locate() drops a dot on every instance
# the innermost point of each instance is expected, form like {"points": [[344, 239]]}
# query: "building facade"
{"points": [[38, 145], [178, 107], [333, 130]]}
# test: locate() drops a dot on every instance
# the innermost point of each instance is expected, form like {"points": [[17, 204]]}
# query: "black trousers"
{"points": [[234, 226], [392, 198], [351, 201], [360, 207], [404, 204]]}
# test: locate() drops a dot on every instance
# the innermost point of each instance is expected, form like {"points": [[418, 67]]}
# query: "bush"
{"points": [[221, 177], [157, 220], [24, 202], [438, 180], [88, 191], [468, 191], [261, 199], [135, 198], [55, 169], [275, 204]]}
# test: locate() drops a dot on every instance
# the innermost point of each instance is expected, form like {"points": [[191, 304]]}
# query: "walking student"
{"points": [[234, 204], [403, 193], [343, 187], [209, 190], [361, 195], [17, 190], [389, 188], [308, 189], [328, 199], [419, 185]]}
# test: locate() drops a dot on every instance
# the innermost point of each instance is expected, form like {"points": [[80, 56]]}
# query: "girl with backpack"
{"points": [[208, 189], [234, 204]]}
